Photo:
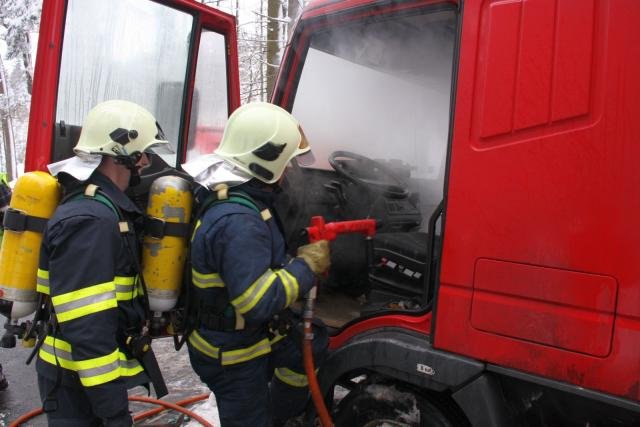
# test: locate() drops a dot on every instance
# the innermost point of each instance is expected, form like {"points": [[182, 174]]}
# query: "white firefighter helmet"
{"points": [[261, 138], [120, 128]]}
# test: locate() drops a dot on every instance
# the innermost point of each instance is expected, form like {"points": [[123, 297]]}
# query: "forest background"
{"points": [[263, 30]]}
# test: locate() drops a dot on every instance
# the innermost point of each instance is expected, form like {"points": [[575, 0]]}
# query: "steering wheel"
{"points": [[369, 173]]}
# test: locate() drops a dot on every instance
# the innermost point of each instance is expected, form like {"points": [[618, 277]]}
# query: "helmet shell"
{"points": [[119, 128], [261, 138]]}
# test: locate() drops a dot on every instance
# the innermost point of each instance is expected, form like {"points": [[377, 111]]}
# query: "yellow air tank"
{"points": [[35, 197], [164, 248]]}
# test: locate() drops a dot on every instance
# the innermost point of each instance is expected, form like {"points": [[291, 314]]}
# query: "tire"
{"points": [[377, 405]]}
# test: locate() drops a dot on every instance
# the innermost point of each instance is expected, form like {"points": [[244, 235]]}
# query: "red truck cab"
{"points": [[494, 141]]}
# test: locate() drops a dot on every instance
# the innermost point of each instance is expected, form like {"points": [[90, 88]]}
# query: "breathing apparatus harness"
{"points": [[138, 342], [221, 316]]}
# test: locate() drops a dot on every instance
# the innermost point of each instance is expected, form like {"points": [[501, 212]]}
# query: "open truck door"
{"points": [[176, 58]]}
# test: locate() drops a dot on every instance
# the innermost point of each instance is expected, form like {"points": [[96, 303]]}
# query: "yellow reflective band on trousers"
{"points": [[94, 371], [249, 298], [204, 281], [292, 378], [126, 288], [85, 301], [291, 286], [230, 357], [42, 281]]}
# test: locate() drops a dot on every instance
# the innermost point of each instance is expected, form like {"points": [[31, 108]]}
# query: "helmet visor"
{"points": [[160, 145], [304, 157]]}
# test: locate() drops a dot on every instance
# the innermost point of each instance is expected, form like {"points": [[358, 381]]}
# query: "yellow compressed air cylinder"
{"points": [[163, 258], [35, 194]]}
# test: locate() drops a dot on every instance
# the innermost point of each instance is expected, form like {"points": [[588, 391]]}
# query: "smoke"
{"points": [[381, 88]]}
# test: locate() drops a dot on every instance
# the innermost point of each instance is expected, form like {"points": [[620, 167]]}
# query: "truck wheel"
{"points": [[377, 405]]}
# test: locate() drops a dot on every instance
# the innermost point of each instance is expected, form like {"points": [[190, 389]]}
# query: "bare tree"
{"points": [[273, 42], [18, 19], [7, 127]]}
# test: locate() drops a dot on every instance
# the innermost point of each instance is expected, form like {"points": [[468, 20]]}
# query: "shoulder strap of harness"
{"points": [[222, 194], [93, 192]]}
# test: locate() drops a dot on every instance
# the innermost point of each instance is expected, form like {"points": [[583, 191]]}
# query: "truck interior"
{"points": [[373, 98]]}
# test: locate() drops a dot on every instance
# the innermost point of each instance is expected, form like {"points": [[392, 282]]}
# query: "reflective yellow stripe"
{"points": [[292, 378], [100, 288], [232, 357], [126, 288], [200, 344], [204, 281], [249, 298], [98, 370], [129, 367], [42, 281], [290, 284], [85, 301], [276, 338], [94, 371], [58, 343]]}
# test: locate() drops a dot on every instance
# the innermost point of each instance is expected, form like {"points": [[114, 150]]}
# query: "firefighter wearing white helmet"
{"points": [[261, 138], [244, 343], [88, 273], [122, 130]]}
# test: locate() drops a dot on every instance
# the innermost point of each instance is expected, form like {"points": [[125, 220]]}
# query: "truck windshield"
{"points": [[123, 49]]}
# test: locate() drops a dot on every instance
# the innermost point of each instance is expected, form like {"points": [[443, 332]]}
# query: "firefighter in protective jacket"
{"points": [[245, 344], [87, 269]]}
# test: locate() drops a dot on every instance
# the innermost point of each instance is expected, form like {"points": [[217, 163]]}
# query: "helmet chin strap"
{"points": [[260, 185], [130, 163]]}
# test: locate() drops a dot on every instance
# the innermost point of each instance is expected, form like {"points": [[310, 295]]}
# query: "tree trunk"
{"points": [[26, 61], [7, 129], [273, 43]]}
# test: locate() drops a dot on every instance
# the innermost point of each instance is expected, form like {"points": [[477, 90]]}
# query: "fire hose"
{"points": [[319, 230], [163, 405]]}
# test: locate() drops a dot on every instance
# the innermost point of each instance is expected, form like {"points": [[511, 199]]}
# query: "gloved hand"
{"points": [[316, 255]]}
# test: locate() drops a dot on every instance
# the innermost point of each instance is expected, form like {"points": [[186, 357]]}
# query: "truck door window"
{"points": [[124, 49], [209, 109], [378, 89], [382, 89]]}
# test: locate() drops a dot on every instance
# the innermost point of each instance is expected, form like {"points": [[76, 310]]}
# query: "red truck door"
{"points": [[176, 58], [540, 268]]}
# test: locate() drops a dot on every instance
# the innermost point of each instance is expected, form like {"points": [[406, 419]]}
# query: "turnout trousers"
{"points": [[74, 408], [249, 393]]}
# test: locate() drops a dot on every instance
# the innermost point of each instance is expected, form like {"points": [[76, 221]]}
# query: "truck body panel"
{"points": [[542, 212]]}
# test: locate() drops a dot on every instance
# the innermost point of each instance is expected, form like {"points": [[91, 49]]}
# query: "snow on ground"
{"points": [[207, 410], [181, 382]]}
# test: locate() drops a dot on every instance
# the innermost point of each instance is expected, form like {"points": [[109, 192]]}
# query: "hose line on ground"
{"points": [[163, 405]]}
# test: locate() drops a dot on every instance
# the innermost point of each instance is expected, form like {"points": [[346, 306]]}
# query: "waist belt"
{"points": [[217, 322], [226, 321]]}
